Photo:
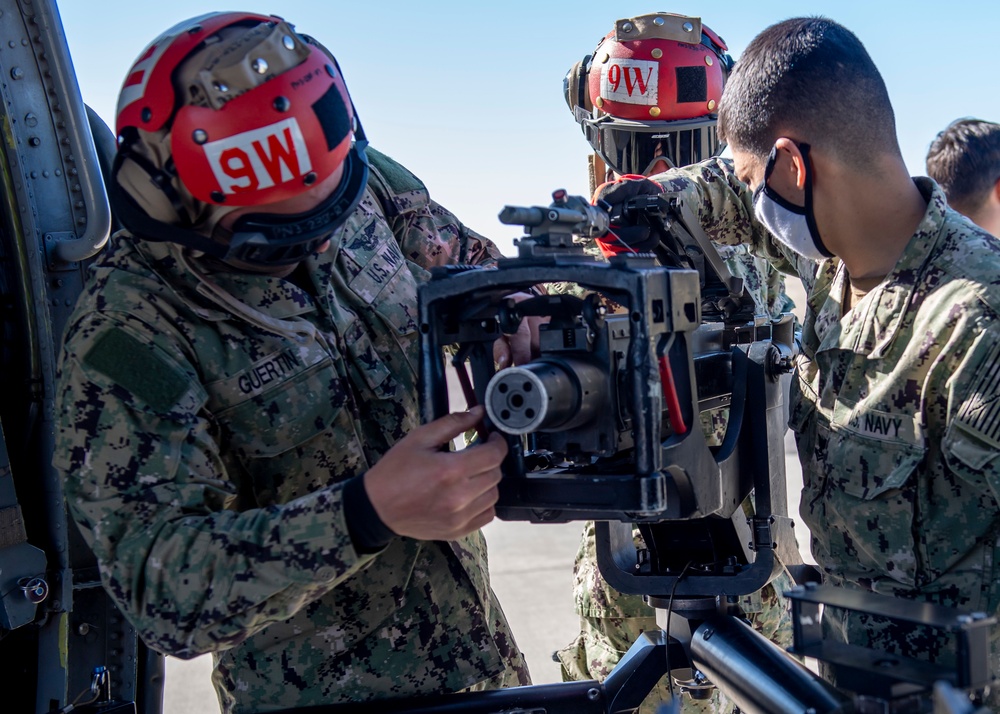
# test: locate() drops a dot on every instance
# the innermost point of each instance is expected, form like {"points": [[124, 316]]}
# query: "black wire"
{"points": [[670, 607]]}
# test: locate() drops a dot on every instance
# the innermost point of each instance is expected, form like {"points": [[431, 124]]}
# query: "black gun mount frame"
{"points": [[605, 423]]}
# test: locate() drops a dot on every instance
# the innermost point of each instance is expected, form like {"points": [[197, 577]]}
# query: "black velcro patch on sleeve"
{"points": [[136, 368], [692, 84]]}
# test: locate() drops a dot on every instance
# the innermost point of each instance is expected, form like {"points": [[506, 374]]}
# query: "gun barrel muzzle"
{"points": [[522, 216], [545, 395]]}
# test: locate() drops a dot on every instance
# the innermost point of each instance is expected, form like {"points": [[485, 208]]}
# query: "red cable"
{"points": [[670, 397]]}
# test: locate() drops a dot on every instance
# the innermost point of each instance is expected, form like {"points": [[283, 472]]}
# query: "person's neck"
{"points": [[879, 213], [988, 216]]}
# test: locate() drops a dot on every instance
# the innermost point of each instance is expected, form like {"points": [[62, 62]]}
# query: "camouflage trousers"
{"points": [[603, 641]]}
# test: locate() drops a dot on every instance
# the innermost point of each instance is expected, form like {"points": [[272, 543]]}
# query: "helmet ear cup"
{"points": [[150, 188], [576, 89]]}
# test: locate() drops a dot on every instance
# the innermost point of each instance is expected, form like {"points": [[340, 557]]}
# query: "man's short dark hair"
{"points": [[965, 160], [812, 78]]}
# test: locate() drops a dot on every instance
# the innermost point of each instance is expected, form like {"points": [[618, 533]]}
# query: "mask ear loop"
{"points": [[810, 215], [806, 210], [769, 167], [772, 159]]}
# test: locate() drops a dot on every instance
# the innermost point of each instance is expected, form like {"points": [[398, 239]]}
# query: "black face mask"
{"points": [[269, 239]]}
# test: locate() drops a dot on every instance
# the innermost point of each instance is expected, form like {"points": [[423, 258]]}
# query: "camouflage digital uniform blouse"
{"points": [[896, 410], [206, 427]]}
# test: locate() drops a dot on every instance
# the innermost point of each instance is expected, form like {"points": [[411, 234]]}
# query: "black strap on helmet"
{"points": [[139, 223], [727, 59]]}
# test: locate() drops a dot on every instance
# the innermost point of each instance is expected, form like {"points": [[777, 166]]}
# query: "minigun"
{"points": [[605, 423]]}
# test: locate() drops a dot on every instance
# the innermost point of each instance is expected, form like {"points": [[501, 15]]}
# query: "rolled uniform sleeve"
{"points": [[147, 484], [429, 235], [434, 236]]}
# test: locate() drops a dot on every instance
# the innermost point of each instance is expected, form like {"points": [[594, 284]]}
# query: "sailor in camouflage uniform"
{"points": [[964, 159], [896, 405], [238, 420], [620, 95]]}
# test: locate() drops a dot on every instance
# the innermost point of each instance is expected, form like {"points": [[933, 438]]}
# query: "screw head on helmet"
{"points": [[649, 92], [237, 109]]}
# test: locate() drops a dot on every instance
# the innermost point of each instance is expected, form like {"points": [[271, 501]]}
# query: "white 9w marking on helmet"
{"points": [[630, 81], [260, 158]]}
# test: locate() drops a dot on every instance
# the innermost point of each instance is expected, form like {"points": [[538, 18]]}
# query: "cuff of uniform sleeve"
{"points": [[368, 533], [316, 543]]}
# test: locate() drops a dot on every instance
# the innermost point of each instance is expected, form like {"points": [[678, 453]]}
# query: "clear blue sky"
{"points": [[469, 95]]}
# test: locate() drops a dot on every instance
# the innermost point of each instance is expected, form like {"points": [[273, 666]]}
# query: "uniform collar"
{"points": [[275, 297]]}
